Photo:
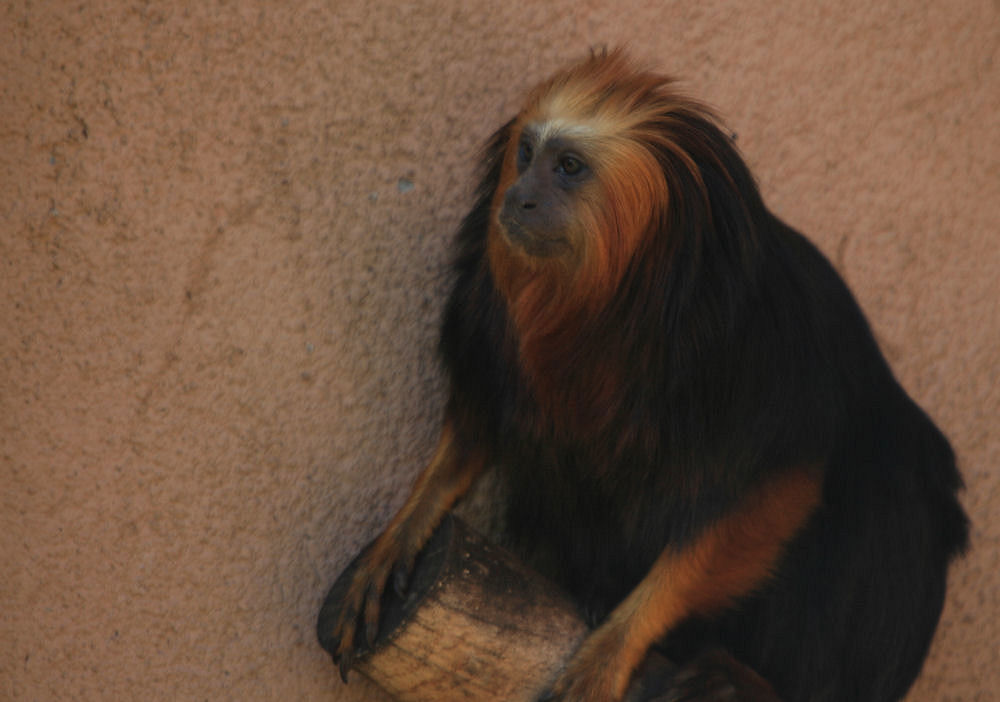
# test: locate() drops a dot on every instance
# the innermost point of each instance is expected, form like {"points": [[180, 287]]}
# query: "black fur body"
{"points": [[743, 352]]}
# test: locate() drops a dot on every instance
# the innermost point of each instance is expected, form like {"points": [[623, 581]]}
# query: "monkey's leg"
{"points": [[729, 558], [448, 475]]}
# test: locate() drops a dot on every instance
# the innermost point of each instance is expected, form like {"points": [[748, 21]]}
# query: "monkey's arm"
{"points": [[449, 474], [728, 559]]}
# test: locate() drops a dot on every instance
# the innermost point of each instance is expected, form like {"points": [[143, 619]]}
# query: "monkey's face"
{"points": [[539, 213], [576, 195], [580, 185]]}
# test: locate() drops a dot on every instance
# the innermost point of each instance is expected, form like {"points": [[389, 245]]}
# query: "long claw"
{"points": [[346, 659]]}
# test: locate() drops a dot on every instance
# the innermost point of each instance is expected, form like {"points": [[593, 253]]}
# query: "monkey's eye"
{"points": [[570, 165], [524, 153]]}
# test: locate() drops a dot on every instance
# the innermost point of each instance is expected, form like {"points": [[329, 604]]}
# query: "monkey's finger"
{"points": [[333, 645], [342, 632], [336, 644], [371, 614], [401, 578], [342, 641]]}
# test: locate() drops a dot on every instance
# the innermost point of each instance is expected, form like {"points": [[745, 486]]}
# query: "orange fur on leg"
{"points": [[728, 560]]}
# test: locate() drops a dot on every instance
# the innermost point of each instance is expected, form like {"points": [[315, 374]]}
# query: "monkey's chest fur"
{"points": [[591, 497], [598, 471], [595, 532]]}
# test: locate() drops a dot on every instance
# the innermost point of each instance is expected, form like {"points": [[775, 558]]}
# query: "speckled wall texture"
{"points": [[222, 237]]}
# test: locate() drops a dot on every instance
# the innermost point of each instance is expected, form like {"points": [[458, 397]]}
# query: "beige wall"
{"points": [[218, 291]]}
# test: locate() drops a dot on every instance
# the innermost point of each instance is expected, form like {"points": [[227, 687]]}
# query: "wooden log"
{"points": [[478, 625]]}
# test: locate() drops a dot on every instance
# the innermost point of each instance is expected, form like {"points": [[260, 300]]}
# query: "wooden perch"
{"points": [[477, 624]]}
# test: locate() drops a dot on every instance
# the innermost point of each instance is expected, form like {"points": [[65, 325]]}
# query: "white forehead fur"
{"points": [[549, 129]]}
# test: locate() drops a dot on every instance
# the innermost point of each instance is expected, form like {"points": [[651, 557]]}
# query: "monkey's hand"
{"points": [[599, 671], [394, 553], [391, 555]]}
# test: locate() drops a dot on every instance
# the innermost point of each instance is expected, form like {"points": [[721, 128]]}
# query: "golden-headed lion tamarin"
{"points": [[700, 438]]}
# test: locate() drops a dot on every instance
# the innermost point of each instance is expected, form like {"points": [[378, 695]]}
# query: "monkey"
{"points": [[699, 437]]}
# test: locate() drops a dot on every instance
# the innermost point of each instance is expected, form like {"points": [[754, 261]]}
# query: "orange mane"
{"points": [[617, 116]]}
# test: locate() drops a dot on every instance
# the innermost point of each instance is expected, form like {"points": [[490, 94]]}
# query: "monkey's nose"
{"points": [[518, 199]]}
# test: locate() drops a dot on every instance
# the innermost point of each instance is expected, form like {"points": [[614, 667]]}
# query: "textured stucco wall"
{"points": [[222, 231]]}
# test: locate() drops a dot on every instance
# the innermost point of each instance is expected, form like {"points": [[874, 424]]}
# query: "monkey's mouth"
{"points": [[533, 244]]}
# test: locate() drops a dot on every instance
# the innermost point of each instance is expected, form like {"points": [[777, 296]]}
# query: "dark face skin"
{"points": [[537, 214]]}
